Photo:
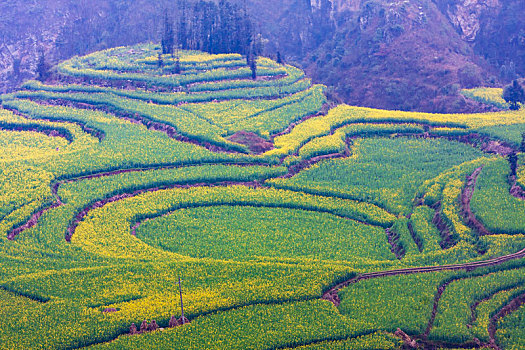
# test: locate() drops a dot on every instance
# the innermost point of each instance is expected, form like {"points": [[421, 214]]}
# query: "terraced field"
{"points": [[293, 223]]}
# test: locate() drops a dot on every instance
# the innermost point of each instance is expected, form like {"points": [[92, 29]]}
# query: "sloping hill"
{"points": [[396, 55], [118, 177]]}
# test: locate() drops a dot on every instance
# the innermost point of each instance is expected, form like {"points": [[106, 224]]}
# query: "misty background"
{"points": [[409, 55]]}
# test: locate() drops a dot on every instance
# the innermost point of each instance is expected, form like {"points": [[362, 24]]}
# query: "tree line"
{"points": [[215, 28]]}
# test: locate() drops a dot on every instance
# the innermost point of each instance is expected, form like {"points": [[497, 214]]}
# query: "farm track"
{"points": [[332, 294]]}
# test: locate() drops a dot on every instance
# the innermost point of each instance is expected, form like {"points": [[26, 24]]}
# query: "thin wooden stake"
{"points": [[181, 305]]}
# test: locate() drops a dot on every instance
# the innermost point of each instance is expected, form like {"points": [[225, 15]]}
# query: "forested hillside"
{"points": [[412, 55]]}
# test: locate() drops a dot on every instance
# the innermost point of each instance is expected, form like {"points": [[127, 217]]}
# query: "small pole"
{"points": [[181, 305]]}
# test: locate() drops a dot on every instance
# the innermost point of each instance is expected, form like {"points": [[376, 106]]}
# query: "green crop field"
{"points": [[293, 223]]}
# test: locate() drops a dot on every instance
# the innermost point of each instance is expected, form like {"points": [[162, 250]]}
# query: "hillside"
{"points": [[406, 55], [287, 222]]}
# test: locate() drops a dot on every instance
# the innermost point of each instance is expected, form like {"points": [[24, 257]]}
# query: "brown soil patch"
{"points": [[437, 298], [515, 189], [254, 142], [393, 240], [497, 147]]}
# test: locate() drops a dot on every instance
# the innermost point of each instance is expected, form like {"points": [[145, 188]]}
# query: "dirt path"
{"points": [[393, 240], [435, 306], [447, 240], [332, 294], [48, 131], [516, 190]]}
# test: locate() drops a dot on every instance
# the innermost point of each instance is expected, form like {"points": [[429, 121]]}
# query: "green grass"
{"points": [[254, 259], [421, 220], [454, 306], [510, 334], [503, 213], [386, 303], [386, 172], [240, 233]]}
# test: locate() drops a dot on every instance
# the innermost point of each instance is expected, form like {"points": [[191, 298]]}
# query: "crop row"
{"points": [[70, 68], [445, 190], [293, 75], [106, 230], [507, 125], [241, 232], [84, 192], [130, 144], [426, 231], [503, 214], [335, 142], [486, 308], [377, 170], [276, 89], [142, 290], [186, 123], [407, 301], [235, 115], [510, 331], [490, 96], [167, 65], [253, 327], [454, 312], [377, 341], [392, 302], [405, 241], [258, 115], [189, 57]]}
